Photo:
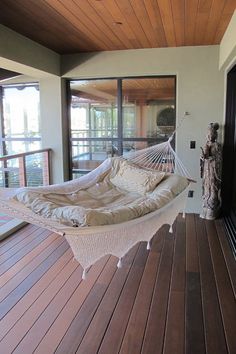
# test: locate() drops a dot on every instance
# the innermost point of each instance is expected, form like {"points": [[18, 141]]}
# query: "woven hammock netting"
{"points": [[160, 157], [91, 243]]}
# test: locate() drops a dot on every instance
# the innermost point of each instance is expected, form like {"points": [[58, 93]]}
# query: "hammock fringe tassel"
{"points": [[84, 275], [119, 264]]}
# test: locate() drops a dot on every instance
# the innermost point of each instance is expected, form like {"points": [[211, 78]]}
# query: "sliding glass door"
{"points": [[110, 117], [93, 123], [229, 160]]}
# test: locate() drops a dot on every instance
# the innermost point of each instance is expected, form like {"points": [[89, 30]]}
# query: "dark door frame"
{"points": [[229, 160]]}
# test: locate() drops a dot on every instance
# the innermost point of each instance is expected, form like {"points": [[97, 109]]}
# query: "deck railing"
{"points": [[25, 169]]}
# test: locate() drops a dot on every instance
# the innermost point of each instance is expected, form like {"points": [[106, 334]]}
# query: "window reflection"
{"points": [[144, 102], [93, 116], [20, 132], [100, 128], [21, 119]]}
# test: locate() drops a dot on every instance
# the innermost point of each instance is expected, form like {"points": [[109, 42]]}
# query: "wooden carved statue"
{"points": [[211, 161]]}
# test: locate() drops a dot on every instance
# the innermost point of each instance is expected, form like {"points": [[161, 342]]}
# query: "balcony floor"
{"points": [[177, 298]]}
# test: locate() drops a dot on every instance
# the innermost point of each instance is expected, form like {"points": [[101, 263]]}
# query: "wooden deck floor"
{"points": [[177, 298]]}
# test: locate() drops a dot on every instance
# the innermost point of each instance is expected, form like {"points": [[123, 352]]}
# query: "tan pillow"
{"points": [[134, 179]]}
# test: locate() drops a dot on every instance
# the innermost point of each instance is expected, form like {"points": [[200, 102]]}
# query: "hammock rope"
{"points": [[91, 243], [160, 157]]}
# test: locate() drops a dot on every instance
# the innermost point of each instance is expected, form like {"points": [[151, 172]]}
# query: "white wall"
{"points": [[199, 89], [53, 125]]}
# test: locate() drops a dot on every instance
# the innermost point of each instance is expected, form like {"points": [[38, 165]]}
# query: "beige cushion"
{"points": [[134, 179], [171, 183], [102, 203]]}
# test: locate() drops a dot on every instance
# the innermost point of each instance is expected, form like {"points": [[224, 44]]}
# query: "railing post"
{"points": [[22, 172], [46, 172]]}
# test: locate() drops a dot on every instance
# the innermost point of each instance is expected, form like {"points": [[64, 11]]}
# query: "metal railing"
{"points": [[25, 169]]}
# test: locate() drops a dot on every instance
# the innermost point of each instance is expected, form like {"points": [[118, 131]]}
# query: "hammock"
{"points": [[92, 241]]}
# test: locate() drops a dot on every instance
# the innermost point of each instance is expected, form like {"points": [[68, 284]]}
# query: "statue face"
{"points": [[212, 134]]}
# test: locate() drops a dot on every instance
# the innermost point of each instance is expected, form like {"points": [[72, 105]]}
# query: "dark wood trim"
{"points": [[229, 148], [67, 124], [3, 136], [126, 77], [229, 164], [2, 132], [113, 139], [69, 96], [120, 116]]}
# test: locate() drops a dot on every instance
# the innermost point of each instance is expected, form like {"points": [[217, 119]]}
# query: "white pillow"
{"points": [[134, 179]]}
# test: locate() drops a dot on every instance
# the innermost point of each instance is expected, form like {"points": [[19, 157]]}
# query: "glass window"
{"points": [[100, 127], [94, 109], [148, 107], [87, 155], [93, 123], [21, 129], [19, 132]]}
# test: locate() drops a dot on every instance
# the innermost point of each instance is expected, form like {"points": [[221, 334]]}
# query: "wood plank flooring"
{"points": [[177, 298]]}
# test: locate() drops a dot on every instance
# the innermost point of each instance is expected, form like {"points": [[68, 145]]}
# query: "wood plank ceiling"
{"points": [[70, 26]]}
